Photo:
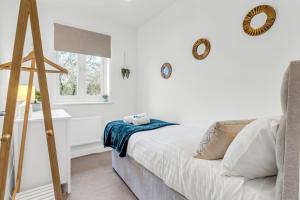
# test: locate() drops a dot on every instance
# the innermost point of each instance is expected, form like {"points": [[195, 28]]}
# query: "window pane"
{"points": [[94, 66], [68, 82]]}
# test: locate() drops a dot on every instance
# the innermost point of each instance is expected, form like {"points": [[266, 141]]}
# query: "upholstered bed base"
{"points": [[144, 184]]}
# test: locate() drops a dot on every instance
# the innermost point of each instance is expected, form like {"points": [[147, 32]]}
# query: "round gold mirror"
{"points": [[270, 19], [196, 47]]}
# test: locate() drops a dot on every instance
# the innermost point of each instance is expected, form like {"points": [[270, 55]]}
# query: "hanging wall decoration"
{"points": [[125, 71], [206, 43], [271, 16], [166, 70]]}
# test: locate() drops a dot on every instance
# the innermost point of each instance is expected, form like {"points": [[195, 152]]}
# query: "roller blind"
{"points": [[81, 41]]}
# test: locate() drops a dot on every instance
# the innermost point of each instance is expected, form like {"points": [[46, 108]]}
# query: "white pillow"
{"points": [[252, 152]]}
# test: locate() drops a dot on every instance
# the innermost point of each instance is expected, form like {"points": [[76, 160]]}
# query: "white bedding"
{"points": [[168, 153]]}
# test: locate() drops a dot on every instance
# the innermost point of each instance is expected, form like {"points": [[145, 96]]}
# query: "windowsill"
{"points": [[82, 103]]}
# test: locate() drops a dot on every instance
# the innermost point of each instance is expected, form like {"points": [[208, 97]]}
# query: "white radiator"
{"points": [[86, 135]]}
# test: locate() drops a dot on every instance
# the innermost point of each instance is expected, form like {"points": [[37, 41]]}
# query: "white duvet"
{"points": [[168, 153]]}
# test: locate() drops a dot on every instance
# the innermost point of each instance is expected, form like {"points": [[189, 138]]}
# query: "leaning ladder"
{"points": [[28, 9]]}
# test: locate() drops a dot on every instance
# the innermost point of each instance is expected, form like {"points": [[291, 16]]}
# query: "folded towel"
{"points": [[129, 119], [141, 121]]}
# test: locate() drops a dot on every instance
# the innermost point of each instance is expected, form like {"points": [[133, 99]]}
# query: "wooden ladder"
{"points": [[28, 9]]}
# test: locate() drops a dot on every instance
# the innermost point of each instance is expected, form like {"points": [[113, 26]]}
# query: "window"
{"points": [[87, 80], [88, 64]]}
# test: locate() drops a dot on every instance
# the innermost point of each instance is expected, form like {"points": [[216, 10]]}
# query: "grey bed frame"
{"points": [[144, 184], [147, 186]]}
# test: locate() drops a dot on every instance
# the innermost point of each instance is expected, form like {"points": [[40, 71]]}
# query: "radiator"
{"points": [[86, 135], [86, 130]]}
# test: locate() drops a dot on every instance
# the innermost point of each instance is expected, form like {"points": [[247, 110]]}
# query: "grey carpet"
{"points": [[93, 178]]}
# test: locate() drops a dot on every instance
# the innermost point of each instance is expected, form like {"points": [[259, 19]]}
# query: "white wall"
{"points": [[240, 78]]}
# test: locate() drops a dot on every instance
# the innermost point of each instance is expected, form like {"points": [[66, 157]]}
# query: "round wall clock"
{"points": [[271, 16], [166, 70], [199, 42]]}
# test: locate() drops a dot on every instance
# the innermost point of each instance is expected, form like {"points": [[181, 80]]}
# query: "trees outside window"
{"points": [[87, 79], [68, 82]]}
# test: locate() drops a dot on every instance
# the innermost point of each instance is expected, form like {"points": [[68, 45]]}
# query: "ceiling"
{"points": [[128, 12]]}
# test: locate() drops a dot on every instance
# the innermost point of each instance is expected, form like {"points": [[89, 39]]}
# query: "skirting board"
{"points": [[87, 149]]}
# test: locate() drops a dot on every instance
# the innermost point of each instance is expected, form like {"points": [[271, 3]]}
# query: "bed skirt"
{"points": [[144, 184]]}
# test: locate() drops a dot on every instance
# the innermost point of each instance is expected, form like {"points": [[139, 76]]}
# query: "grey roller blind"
{"points": [[81, 41]]}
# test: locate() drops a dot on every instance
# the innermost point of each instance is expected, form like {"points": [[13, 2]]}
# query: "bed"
{"points": [[160, 164]]}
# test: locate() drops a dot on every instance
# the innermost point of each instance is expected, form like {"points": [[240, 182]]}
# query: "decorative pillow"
{"points": [[252, 153], [218, 138]]}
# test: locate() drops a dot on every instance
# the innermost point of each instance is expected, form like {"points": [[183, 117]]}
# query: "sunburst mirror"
{"points": [[201, 42], [262, 9]]}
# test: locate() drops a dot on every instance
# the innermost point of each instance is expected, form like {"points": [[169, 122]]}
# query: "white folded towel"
{"points": [[141, 121], [129, 119]]}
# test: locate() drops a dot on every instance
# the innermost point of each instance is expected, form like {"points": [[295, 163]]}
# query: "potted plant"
{"points": [[36, 105], [125, 72], [105, 97]]}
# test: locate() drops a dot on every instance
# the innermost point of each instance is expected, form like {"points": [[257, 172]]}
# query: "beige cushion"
{"points": [[218, 137]]}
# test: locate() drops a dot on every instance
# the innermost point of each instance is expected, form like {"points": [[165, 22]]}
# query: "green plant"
{"points": [[105, 97], [125, 73], [38, 96]]}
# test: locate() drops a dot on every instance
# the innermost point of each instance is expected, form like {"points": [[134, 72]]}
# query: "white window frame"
{"points": [[81, 96]]}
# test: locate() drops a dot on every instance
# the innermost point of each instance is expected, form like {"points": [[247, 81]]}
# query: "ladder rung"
{"points": [[41, 193]]}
